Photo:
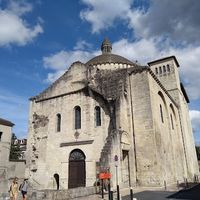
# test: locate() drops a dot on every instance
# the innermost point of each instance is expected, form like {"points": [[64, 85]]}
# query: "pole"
{"points": [[116, 175], [102, 192], [111, 194], [118, 194], [165, 184], [109, 191], [131, 193]]}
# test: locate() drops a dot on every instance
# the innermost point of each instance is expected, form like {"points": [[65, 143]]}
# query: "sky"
{"points": [[40, 39]]}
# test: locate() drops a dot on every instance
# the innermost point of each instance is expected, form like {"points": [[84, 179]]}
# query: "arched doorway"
{"points": [[76, 169], [56, 176], [125, 167]]}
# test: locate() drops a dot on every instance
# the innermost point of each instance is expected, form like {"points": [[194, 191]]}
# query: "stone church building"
{"points": [[106, 108]]}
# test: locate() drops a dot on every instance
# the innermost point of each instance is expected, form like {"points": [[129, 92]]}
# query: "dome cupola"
{"points": [[106, 46], [108, 60]]}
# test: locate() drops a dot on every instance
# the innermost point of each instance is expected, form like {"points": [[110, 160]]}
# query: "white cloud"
{"points": [[82, 45], [102, 14], [61, 61], [13, 28], [177, 20], [19, 7], [141, 50], [195, 118]]}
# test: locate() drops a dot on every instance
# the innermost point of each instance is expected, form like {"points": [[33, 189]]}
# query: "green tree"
{"points": [[15, 152], [198, 152]]}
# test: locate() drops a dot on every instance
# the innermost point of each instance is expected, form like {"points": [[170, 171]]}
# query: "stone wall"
{"points": [[171, 81], [159, 145], [61, 194], [12, 170], [145, 149], [168, 136], [48, 150]]}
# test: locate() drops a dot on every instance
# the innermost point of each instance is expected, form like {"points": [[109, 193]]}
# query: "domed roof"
{"points": [[107, 56]]}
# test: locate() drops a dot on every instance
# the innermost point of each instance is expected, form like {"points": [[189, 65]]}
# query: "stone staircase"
{"points": [[106, 150]]}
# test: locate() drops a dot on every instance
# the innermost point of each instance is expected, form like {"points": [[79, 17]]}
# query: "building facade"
{"points": [[21, 145], [9, 169], [5, 142], [111, 114]]}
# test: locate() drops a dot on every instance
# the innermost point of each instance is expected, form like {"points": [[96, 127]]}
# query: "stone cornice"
{"points": [[57, 96], [76, 143]]}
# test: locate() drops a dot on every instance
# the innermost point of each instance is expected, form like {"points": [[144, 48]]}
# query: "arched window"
{"points": [[98, 115], [164, 68], [156, 70], [76, 154], [56, 176], [173, 117], [172, 123], [163, 107], [161, 113], [58, 122], [77, 110], [168, 68], [160, 70]]}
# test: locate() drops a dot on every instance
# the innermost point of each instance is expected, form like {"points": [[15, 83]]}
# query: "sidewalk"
{"points": [[126, 192], [123, 192]]}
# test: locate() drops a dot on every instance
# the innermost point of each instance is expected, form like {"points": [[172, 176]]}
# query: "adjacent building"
{"points": [[111, 113], [5, 142], [21, 144], [9, 169]]}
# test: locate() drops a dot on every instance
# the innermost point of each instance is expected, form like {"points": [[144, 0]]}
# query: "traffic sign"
{"points": [[116, 158], [104, 175]]}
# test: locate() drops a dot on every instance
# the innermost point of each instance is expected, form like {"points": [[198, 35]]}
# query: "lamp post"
{"points": [[116, 167]]}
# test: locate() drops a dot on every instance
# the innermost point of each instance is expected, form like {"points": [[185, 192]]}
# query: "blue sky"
{"points": [[40, 39]]}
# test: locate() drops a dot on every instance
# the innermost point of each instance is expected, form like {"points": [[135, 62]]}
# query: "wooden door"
{"points": [[76, 169], [125, 168]]}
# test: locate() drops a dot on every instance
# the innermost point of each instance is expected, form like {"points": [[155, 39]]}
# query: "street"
{"points": [[190, 194]]}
